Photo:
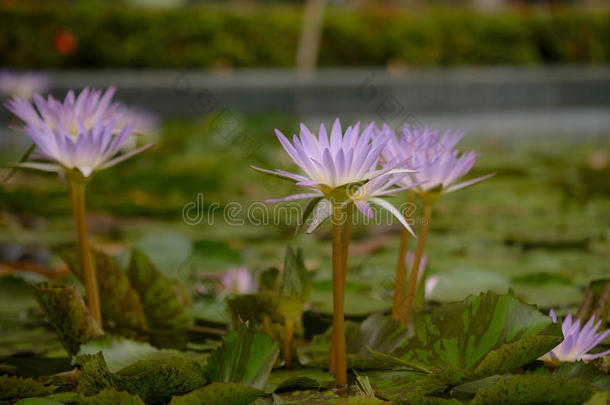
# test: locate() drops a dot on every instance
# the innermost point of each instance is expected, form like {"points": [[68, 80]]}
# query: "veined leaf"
{"points": [[165, 314], [245, 357], [67, 314], [121, 304], [485, 335], [535, 389], [153, 380]]}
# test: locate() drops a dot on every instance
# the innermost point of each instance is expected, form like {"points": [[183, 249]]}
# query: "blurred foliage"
{"points": [[100, 34]]}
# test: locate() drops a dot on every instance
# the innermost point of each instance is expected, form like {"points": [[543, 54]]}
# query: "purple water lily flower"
{"points": [[238, 280], [438, 166], [23, 85], [90, 107], [79, 133], [349, 161], [577, 341]]}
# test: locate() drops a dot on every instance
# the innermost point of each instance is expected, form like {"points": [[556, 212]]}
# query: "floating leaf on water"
{"points": [[221, 393], [486, 335], [18, 387], [535, 389], [303, 378], [111, 396]]}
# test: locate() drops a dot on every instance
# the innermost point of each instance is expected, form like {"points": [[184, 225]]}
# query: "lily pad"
{"points": [[305, 378], [535, 389], [484, 335], [225, 393], [111, 396], [67, 314], [17, 387], [245, 357]]}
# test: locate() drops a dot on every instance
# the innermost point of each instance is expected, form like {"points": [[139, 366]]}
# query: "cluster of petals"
{"points": [[79, 133], [578, 340], [341, 168], [437, 165]]}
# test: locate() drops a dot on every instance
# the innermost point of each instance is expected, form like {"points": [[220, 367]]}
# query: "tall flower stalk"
{"points": [[437, 168], [78, 138], [77, 193], [340, 172], [401, 265]]}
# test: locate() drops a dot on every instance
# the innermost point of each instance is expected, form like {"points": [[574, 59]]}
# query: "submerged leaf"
{"points": [[377, 332], [153, 380], [535, 389], [16, 387], [245, 357], [165, 314], [225, 393], [587, 372], [252, 308], [487, 334], [67, 314], [307, 378], [121, 305]]}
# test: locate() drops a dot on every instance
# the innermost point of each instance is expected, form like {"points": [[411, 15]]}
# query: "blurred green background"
{"points": [[540, 227]]}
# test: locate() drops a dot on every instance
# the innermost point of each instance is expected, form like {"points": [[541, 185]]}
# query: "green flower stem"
{"points": [[399, 286], [338, 299], [412, 287], [288, 334], [77, 192], [345, 237]]}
